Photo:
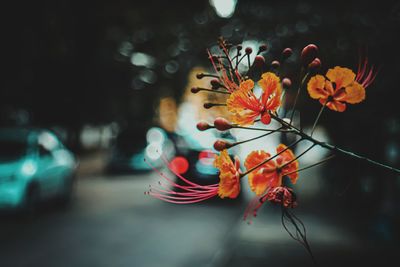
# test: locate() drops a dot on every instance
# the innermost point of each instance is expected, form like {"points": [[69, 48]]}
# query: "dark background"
{"points": [[67, 64]]}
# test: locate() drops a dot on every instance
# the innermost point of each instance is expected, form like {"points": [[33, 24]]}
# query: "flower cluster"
{"points": [[265, 172]]}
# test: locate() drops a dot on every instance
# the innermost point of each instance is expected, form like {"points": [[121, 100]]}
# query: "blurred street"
{"points": [[112, 223]]}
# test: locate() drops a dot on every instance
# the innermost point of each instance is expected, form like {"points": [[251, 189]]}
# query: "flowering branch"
{"points": [[333, 148], [335, 90]]}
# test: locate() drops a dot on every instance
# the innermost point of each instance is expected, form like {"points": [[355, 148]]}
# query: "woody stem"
{"points": [[333, 148]]}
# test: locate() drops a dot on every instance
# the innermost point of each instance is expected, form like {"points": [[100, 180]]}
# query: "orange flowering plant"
{"points": [[258, 99]]}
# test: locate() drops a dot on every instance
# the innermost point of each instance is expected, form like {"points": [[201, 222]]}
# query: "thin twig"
{"points": [[332, 147], [319, 115], [297, 95], [257, 137]]}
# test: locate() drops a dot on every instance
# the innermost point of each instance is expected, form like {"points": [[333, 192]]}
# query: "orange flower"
{"points": [[269, 175], [339, 88], [229, 184], [246, 107]]}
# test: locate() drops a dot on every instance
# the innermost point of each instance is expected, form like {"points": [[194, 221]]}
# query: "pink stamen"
{"points": [[192, 192], [166, 162], [365, 74]]}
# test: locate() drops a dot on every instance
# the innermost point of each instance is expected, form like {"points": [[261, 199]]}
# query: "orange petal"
{"points": [[342, 77], [355, 93], [246, 85], [316, 87], [269, 82], [329, 88], [261, 178], [244, 107], [336, 106], [259, 182], [223, 161], [255, 158], [229, 185], [285, 158]]}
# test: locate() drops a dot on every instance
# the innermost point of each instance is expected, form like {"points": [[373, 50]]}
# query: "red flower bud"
{"points": [[194, 90], [286, 82], [315, 64], [208, 105], [259, 61], [309, 53], [220, 145], [262, 48], [203, 125], [222, 124], [248, 50], [199, 75], [287, 52], [239, 47], [275, 64]]}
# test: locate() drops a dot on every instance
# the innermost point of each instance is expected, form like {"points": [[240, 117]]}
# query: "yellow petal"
{"points": [[246, 85], [270, 83], [342, 77], [355, 93], [315, 87]]}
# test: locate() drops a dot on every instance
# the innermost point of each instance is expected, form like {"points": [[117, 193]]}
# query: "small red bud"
{"points": [[248, 50], [262, 48], [287, 52], [208, 105], [239, 47], [199, 75], [286, 82], [215, 84], [222, 124], [194, 90], [309, 53], [275, 64], [259, 61], [203, 125], [315, 64], [220, 145]]}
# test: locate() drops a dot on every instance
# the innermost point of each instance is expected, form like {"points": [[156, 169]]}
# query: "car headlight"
{"points": [[28, 168]]}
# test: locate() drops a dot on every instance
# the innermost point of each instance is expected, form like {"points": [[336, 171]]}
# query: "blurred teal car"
{"points": [[34, 166]]}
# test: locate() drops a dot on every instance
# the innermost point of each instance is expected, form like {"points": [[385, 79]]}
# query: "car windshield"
{"points": [[12, 149]]}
